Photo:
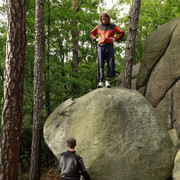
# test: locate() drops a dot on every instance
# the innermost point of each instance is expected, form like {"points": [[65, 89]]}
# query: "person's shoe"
{"points": [[100, 85], [107, 84]]}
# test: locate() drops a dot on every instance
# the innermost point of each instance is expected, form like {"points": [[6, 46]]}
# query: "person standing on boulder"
{"points": [[72, 165], [106, 31]]}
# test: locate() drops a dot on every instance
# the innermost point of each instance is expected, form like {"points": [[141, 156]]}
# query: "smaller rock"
{"points": [[174, 137], [176, 170], [133, 78]]}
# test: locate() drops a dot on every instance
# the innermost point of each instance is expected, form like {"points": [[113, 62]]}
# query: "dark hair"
{"points": [[71, 142], [104, 14]]}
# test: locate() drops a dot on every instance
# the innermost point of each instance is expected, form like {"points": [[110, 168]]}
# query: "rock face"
{"points": [[118, 132], [159, 75]]}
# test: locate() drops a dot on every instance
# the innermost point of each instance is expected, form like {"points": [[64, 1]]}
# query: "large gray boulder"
{"points": [[159, 74], [118, 132]]}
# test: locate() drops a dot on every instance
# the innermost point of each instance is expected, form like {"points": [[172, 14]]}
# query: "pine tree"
{"points": [[12, 113], [38, 92]]}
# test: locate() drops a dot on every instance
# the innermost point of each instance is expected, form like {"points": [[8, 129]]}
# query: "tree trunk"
{"points": [[1, 73], [130, 45], [47, 71], [75, 36], [75, 62], [38, 93], [75, 46], [12, 112]]}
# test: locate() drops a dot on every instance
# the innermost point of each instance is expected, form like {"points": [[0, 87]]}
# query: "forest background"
{"points": [[61, 81]]}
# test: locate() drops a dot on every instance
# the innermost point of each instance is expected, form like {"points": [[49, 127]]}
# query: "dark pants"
{"points": [[106, 52]]}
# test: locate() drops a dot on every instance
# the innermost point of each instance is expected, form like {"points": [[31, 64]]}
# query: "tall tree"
{"points": [[38, 92], [13, 88], [131, 42], [47, 66], [75, 35]]}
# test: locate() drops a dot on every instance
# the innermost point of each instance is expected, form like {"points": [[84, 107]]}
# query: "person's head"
{"points": [[71, 143], [104, 18]]}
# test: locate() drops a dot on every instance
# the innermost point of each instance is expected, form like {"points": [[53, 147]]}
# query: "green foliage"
{"points": [[58, 47]]}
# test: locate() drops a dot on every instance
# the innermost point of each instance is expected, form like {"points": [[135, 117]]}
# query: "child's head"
{"points": [[104, 18]]}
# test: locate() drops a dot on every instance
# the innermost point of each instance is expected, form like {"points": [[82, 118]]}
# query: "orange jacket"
{"points": [[105, 32]]}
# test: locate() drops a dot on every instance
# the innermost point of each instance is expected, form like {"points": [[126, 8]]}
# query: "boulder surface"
{"points": [[119, 135]]}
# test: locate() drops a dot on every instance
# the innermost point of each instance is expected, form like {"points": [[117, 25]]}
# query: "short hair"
{"points": [[104, 14], [71, 142]]}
